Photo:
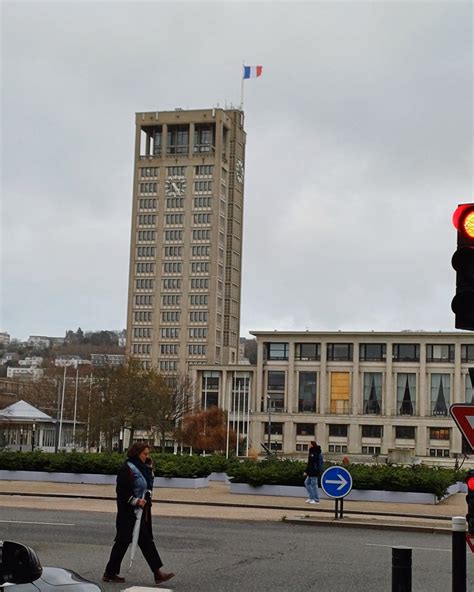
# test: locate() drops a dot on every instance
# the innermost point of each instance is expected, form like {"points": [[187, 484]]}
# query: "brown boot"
{"points": [[161, 576], [113, 578]]}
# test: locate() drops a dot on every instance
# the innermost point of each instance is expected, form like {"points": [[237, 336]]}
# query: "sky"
{"points": [[359, 148]]}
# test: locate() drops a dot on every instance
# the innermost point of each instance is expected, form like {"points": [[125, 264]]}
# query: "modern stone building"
{"points": [[361, 394], [186, 240]]}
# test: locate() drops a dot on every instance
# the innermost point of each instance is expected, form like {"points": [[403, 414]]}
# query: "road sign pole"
{"points": [[458, 555], [401, 569]]}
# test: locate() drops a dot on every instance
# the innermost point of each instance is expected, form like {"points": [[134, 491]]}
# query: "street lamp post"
{"points": [[269, 407]]}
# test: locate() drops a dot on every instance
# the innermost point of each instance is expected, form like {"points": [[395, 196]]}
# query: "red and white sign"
{"points": [[470, 541], [463, 415]]}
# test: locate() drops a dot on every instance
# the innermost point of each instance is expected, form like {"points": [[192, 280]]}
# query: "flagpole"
{"points": [[242, 87]]}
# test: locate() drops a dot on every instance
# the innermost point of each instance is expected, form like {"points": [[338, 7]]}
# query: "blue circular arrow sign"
{"points": [[336, 482]]}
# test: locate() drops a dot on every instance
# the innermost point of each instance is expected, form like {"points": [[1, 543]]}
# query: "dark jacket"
{"points": [[126, 506], [315, 462]]}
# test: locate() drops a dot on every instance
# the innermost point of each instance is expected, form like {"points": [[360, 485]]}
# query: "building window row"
{"points": [[170, 316], [147, 267], [200, 267], [169, 332], [144, 284], [173, 235], [143, 316], [201, 234], [168, 365], [176, 171], [146, 172], [340, 392], [144, 299], [203, 186], [148, 187], [147, 251], [147, 203], [198, 299], [141, 348], [169, 349], [197, 332], [171, 283], [202, 202], [199, 284], [198, 316], [175, 203], [197, 349], [146, 236], [204, 170], [174, 219], [142, 332], [201, 218], [369, 352], [171, 299], [200, 250], [174, 251], [147, 220], [172, 267]]}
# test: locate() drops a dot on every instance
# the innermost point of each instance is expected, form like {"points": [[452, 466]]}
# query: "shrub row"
{"points": [[166, 465], [375, 477], [267, 472]]}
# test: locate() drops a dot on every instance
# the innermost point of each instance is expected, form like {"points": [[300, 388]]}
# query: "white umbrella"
{"points": [[136, 533]]}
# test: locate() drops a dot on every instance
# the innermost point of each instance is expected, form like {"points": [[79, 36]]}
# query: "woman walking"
{"points": [[134, 487]]}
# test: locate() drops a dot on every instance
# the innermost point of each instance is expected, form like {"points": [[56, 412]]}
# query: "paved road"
{"points": [[227, 556]]}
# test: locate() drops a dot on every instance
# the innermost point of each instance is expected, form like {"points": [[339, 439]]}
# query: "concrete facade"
{"points": [[186, 238], [361, 394]]}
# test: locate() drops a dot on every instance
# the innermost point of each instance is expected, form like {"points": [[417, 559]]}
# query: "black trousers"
{"points": [[147, 547]]}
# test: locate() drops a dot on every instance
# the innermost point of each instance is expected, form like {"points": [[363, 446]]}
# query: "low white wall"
{"points": [[57, 477], [181, 483], [97, 479], [399, 497], [219, 477]]}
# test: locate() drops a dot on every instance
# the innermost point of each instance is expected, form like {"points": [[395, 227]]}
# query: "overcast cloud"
{"points": [[359, 147]]}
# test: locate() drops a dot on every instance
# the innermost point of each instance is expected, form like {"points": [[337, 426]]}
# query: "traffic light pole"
{"points": [[458, 555]]}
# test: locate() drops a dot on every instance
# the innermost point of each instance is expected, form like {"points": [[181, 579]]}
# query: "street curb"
{"points": [[223, 505], [341, 523]]}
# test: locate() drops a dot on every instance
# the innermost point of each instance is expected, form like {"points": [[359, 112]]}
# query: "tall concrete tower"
{"points": [[186, 239]]}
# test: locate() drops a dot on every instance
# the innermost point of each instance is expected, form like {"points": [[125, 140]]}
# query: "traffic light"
{"points": [[470, 501], [463, 262]]}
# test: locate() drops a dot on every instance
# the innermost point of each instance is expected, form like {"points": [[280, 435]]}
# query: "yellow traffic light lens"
{"points": [[468, 224]]}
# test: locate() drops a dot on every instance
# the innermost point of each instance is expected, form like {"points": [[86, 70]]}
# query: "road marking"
{"points": [[42, 523], [416, 548]]}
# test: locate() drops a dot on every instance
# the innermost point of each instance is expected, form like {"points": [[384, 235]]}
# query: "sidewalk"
{"points": [[216, 502]]}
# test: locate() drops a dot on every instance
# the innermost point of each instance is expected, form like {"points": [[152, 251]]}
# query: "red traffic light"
{"points": [[463, 220], [470, 483]]}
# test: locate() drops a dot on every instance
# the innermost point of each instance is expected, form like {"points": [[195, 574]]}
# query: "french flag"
{"points": [[252, 71]]}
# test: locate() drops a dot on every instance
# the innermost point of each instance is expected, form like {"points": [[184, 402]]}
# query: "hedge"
{"points": [[374, 477], [166, 465]]}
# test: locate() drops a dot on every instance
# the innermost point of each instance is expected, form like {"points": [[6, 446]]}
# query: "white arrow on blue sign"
{"points": [[336, 482]]}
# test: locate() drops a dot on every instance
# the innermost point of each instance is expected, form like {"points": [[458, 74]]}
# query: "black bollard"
{"points": [[459, 554], [401, 569]]}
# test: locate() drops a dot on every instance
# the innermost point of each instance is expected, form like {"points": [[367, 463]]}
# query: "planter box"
{"points": [[58, 477], [181, 482], [219, 477], [178, 483], [359, 495]]}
